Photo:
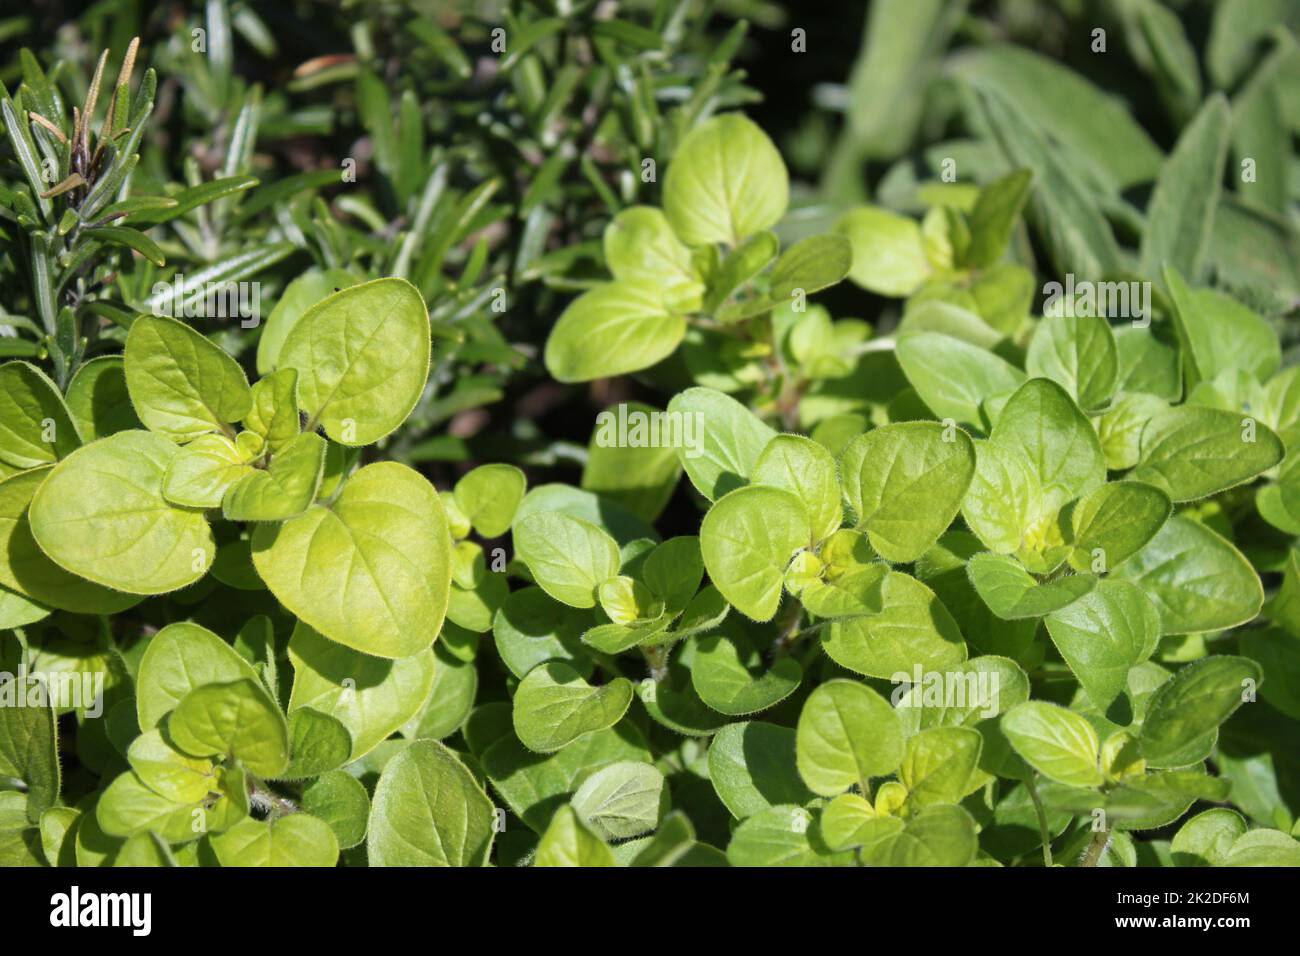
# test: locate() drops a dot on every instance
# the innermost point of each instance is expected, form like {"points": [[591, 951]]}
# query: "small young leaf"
{"points": [[274, 413], [489, 495], [180, 658], [237, 719], [202, 472], [285, 489], [1012, 593], [1115, 521]]}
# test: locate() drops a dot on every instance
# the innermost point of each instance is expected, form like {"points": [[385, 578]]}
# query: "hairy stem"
{"points": [[656, 658], [268, 801], [1100, 840]]}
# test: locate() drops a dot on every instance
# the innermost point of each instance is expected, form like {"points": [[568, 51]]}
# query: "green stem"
{"points": [[1042, 822]]}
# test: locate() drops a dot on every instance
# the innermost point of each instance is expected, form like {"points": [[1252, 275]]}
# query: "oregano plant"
{"points": [[614, 478]]}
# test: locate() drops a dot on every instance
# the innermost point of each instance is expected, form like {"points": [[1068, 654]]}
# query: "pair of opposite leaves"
{"points": [[371, 569], [726, 186]]}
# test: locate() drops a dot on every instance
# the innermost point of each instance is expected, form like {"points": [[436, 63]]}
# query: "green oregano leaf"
{"points": [[554, 706], [181, 384], [372, 569], [101, 515], [429, 811], [362, 357]]}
